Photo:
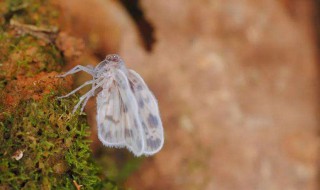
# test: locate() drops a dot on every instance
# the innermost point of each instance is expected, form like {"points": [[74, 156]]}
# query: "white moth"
{"points": [[127, 112]]}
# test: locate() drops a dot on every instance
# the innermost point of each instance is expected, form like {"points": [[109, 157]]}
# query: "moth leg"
{"points": [[75, 90], [88, 69], [85, 99], [87, 96], [85, 102]]}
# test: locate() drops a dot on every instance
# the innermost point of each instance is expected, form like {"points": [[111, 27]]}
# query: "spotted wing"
{"points": [[148, 113], [111, 116], [133, 132], [117, 116]]}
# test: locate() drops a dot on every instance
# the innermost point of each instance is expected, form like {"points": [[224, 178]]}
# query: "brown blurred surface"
{"points": [[237, 84]]}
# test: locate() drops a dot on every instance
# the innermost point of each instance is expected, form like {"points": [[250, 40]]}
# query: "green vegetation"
{"points": [[54, 145], [34, 125]]}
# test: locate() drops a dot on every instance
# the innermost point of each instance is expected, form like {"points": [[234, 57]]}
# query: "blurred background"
{"points": [[236, 81]]}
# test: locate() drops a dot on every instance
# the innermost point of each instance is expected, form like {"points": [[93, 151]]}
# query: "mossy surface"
{"points": [[54, 145], [34, 125]]}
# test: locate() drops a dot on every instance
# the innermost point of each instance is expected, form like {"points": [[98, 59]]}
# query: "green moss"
{"points": [[35, 12], [53, 141], [30, 54]]}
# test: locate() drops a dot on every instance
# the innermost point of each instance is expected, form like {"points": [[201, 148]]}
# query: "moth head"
{"points": [[111, 61], [115, 61], [113, 58]]}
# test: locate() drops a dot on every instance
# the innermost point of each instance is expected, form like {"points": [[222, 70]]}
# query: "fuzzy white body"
{"points": [[127, 112]]}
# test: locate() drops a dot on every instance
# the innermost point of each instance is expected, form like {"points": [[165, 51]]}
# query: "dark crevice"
{"points": [[145, 27], [317, 23]]}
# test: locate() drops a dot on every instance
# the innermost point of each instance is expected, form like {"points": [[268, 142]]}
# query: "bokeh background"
{"points": [[236, 81]]}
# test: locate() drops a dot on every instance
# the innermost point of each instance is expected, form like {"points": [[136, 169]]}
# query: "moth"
{"points": [[127, 111]]}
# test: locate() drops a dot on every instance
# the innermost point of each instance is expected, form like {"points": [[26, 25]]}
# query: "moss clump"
{"points": [[42, 145], [54, 145], [35, 12], [29, 55]]}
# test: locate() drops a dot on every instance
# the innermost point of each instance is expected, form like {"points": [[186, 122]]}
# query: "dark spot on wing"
{"points": [[144, 125], [125, 108], [135, 123], [139, 87], [153, 143], [153, 120], [131, 86], [141, 103], [123, 85], [108, 135], [110, 118], [128, 133], [147, 100]]}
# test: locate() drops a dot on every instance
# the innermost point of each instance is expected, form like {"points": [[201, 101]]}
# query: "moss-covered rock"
{"points": [[42, 145], [54, 146]]}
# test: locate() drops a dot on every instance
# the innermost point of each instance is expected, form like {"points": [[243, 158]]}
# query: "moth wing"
{"points": [[117, 116], [133, 132], [110, 116], [148, 113]]}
